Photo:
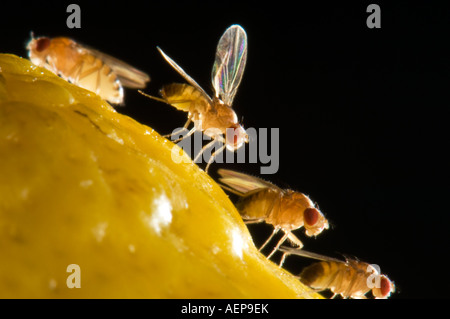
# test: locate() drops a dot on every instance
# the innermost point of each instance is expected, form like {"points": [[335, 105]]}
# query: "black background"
{"points": [[362, 112]]}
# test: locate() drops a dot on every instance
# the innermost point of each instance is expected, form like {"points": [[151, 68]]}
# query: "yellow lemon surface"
{"points": [[93, 206]]}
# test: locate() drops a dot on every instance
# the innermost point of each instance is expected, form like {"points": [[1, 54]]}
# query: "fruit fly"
{"points": [[285, 209], [350, 278], [213, 116], [85, 67]]}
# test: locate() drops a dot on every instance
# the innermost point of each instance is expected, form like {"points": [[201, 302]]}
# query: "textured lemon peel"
{"points": [[82, 184]]}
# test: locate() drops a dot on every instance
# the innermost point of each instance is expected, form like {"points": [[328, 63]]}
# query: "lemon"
{"points": [[92, 205]]}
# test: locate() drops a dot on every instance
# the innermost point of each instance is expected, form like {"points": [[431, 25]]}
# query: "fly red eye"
{"points": [[311, 216], [385, 286], [235, 139], [232, 135], [42, 44]]}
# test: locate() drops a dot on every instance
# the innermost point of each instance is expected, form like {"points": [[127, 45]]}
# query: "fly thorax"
{"points": [[290, 214], [220, 116]]}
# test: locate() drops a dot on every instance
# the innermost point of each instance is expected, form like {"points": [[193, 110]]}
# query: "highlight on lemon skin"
{"points": [[82, 185]]}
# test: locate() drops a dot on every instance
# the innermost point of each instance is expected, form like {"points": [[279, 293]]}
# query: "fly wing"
{"points": [[128, 76], [229, 65], [184, 74], [308, 254], [243, 183]]}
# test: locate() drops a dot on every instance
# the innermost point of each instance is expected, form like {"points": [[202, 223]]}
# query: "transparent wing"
{"points": [[308, 254], [128, 76], [184, 74], [229, 65], [243, 183]]}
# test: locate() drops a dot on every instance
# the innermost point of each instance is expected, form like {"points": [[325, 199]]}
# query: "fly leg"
{"points": [[179, 131], [283, 258], [275, 230], [74, 74], [285, 236], [192, 131], [203, 150], [295, 241], [253, 221], [213, 156]]}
